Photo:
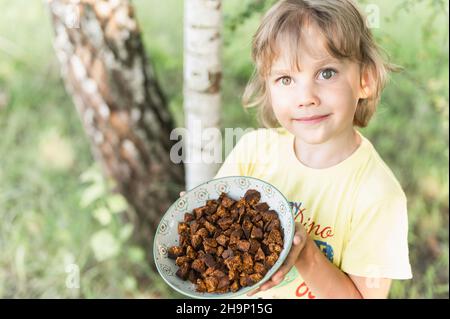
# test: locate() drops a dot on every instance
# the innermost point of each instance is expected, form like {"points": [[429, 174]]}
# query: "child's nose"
{"points": [[306, 95]]}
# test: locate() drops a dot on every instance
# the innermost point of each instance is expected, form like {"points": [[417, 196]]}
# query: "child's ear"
{"points": [[367, 85]]}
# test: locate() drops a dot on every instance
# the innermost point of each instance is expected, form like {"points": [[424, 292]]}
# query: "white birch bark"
{"points": [[202, 77]]}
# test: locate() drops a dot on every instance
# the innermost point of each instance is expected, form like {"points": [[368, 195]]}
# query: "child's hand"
{"points": [[299, 241]]}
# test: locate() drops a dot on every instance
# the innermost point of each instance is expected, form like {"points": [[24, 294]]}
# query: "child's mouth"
{"points": [[312, 119]]}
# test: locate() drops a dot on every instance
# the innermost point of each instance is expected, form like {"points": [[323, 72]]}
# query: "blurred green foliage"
{"points": [[56, 208]]}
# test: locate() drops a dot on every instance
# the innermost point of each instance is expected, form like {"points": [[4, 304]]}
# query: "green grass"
{"points": [[54, 204]]}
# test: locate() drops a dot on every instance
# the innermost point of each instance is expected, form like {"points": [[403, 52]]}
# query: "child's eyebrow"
{"points": [[279, 72], [326, 60], [316, 64]]}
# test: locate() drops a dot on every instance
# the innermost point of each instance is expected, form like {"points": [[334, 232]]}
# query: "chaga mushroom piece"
{"points": [[217, 233], [194, 226], [208, 272], [218, 273], [184, 240], [212, 204], [260, 255], [175, 251], [209, 260], [241, 213], [251, 213], [254, 246], [201, 286], [234, 263], [247, 263], [253, 279], [219, 251], [203, 233], [243, 279], [210, 242], [234, 286], [223, 284], [210, 227], [273, 224], [191, 253], [223, 240], [188, 217], [225, 223], [193, 276], [233, 274], [243, 245], [271, 259], [227, 202], [275, 237], [181, 260], [259, 268], [269, 215], [256, 233], [275, 248], [198, 265], [247, 227], [200, 211], [222, 212], [196, 241], [211, 283], [261, 207], [228, 244], [209, 250], [252, 196], [183, 228], [227, 253], [256, 218], [183, 271], [234, 239]]}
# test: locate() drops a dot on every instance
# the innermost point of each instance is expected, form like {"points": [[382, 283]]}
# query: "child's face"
{"points": [[324, 87]]}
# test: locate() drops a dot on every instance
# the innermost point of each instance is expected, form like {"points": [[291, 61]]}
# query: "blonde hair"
{"points": [[347, 37]]}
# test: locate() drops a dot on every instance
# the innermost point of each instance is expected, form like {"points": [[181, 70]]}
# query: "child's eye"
{"points": [[327, 74], [285, 80]]}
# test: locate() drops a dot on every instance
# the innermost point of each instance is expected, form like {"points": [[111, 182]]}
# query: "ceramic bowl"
{"points": [[235, 187]]}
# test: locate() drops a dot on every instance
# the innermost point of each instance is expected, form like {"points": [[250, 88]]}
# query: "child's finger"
{"points": [[288, 263], [251, 293], [294, 252], [182, 193], [282, 272], [271, 283], [279, 275], [297, 239], [299, 233]]}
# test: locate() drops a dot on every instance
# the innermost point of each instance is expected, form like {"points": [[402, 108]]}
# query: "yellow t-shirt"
{"points": [[355, 211]]}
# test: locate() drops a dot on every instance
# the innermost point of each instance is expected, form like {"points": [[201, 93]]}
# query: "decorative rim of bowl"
{"points": [[242, 290]]}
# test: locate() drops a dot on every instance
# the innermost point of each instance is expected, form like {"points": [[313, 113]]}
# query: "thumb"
{"points": [[300, 236]]}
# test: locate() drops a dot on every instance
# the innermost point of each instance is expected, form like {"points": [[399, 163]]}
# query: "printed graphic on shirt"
{"points": [[326, 249]]}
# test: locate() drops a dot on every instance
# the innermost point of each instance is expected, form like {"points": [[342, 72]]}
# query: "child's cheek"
{"points": [[281, 105], [281, 100], [339, 98]]}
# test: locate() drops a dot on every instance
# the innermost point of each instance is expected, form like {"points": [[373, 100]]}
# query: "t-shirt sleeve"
{"points": [[240, 160], [378, 243]]}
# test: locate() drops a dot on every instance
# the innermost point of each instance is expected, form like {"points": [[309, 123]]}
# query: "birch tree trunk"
{"points": [[121, 105], [202, 78]]}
